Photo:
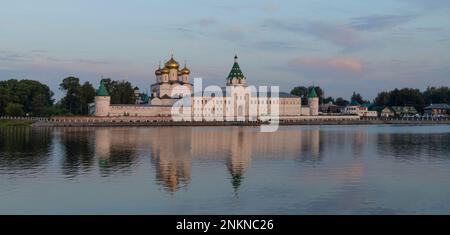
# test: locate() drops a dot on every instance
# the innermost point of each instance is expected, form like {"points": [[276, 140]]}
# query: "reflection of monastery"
{"points": [[238, 99], [172, 151]]}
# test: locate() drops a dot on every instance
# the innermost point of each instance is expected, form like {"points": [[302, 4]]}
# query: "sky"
{"points": [[342, 46]]}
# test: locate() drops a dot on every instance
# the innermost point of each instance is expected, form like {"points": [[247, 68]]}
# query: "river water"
{"points": [[372, 169]]}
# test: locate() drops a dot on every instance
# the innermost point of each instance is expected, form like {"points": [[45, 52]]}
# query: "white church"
{"points": [[173, 91]]}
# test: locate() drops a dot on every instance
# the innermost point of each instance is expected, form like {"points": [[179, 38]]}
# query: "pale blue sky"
{"points": [[345, 45]]}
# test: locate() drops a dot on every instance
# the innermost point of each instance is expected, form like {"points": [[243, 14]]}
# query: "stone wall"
{"points": [[139, 110]]}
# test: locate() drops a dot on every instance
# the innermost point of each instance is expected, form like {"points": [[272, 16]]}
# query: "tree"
{"points": [[14, 109], [433, 95], [38, 104], [121, 92], [4, 99], [300, 91], [71, 85], [87, 95], [408, 97], [32, 95], [341, 102], [328, 100], [383, 99], [56, 110], [358, 98]]}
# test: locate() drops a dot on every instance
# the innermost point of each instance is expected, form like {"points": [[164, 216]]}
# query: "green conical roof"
{"points": [[236, 70], [102, 90], [312, 93]]}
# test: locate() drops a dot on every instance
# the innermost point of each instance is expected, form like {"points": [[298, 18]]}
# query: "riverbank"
{"points": [[282, 123], [13, 122]]}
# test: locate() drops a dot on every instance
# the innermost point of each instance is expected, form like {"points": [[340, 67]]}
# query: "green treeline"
{"points": [[396, 97], [25, 96], [32, 98]]}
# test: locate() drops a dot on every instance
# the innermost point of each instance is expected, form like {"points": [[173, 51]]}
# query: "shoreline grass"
{"points": [[12, 122]]}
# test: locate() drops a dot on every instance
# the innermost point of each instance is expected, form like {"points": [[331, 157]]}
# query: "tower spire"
{"points": [[235, 58]]}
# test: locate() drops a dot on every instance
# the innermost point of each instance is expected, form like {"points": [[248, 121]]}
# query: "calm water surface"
{"points": [[382, 169]]}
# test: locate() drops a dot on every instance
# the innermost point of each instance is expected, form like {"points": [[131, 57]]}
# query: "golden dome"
{"points": [[185, 71], [172, 64], [165, 71]]}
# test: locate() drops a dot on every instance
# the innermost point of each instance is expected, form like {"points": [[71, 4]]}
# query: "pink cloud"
{"points": [[336, 64]]}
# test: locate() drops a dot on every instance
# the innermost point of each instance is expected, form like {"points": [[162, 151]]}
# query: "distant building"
{"points": [[329, 108], [354, 108], [398, 111], [387, 112], [434, 109]]}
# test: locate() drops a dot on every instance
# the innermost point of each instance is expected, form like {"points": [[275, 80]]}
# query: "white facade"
{"points": [[238, 102], [359, 110]]}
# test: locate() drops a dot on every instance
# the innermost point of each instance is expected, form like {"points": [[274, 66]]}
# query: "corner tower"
{"points": [[102, 101], [313, 101]]}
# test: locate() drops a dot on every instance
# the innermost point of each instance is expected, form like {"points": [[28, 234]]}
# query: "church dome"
{"points": [[158, 72], [172, 64], [165, 71], [185, 71]]}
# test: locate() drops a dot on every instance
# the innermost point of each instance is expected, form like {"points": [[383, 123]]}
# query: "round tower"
{"points": [[313, 101], [102, 101]]}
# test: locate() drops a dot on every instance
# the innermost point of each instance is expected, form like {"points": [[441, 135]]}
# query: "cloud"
{"points": [[274, 45], [42, 57], [338, 34], [378, 22], [434, 4], [206, 22], [429, 29], [266, 7], [269, 7], [194, 28], [234, 34], [352, 65]]}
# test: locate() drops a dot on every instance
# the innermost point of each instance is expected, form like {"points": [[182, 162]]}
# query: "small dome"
{"points": [[172, 64], [179, 73], [165, 71], [185, 71], [158, 72]]}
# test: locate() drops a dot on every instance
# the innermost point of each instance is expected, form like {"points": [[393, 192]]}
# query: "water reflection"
{"points": [[78, 151], [414, 146], [299, 169], [23, 150], [171, 157], [172, 150], [117, 149]]}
